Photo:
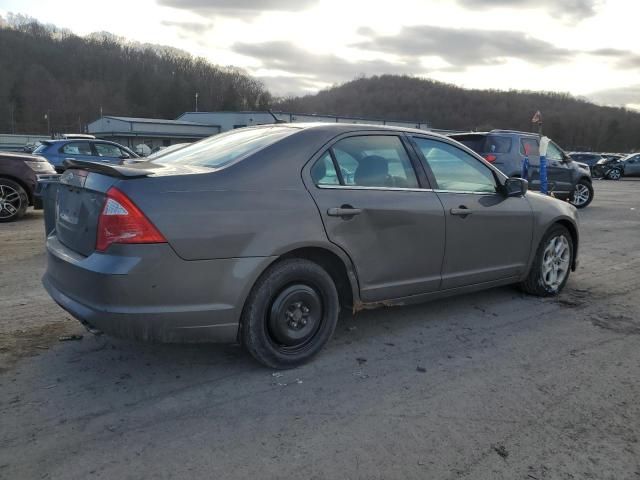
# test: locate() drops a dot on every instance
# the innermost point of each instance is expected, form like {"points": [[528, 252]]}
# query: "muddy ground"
{"points": [[490, 385]]}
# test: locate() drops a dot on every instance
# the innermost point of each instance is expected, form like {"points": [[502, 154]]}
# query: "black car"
{"points": [[19, 174]]}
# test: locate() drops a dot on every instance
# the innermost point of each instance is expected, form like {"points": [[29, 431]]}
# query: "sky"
{"points": [[588, 48]]}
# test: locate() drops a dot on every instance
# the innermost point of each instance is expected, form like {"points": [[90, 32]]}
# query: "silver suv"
{"points": [[507, 149]]}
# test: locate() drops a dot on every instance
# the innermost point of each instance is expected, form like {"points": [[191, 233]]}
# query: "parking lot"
{"points": [[489, 385]]}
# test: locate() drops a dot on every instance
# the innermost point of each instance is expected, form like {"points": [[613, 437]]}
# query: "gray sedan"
{"points": [[261, 235]]}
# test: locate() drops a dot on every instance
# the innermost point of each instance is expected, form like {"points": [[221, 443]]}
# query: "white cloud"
{"points": [[297, 46]]}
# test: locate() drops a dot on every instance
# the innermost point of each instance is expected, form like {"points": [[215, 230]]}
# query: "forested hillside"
{"points": [[47, 70], [574, 123]]}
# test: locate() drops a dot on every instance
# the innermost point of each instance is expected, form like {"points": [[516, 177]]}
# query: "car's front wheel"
{"points": [[13, 200], [290, 314], [582, 194], [552, 264], [614, 174]]}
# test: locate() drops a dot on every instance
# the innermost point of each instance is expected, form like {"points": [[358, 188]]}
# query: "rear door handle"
{"points": [[462, 211], [343, 211]]}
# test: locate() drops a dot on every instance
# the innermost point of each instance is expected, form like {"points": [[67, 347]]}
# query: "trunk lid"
{"points": [[79, 201], [81, 195]]}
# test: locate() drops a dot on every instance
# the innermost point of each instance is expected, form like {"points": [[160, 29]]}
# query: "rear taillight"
{"points": [[490, 157], [122, 222]]}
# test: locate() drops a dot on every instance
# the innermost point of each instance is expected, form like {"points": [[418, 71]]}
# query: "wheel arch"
{"points": [[336, 265], [573, 231]]}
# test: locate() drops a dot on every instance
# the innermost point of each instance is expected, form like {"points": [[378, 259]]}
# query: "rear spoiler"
{"points": [[118, 171]]}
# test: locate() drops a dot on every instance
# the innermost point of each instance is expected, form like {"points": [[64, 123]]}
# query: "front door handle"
{"points": [[344, 211], [462, 211]]}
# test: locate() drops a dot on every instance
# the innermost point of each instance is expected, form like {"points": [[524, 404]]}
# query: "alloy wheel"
{"points": [[581, 195], [615, 174], [10, 201], [556, 261]]}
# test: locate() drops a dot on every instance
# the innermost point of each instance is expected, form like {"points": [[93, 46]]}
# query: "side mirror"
{"points": [[566, 158], [125, 156], [516, 187]]}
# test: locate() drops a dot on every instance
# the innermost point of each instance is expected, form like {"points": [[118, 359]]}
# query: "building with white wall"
{"points": [[153, 132], [193, 126]]}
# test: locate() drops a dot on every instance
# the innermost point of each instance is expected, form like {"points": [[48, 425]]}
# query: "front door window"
{"points": [[454, 169]]}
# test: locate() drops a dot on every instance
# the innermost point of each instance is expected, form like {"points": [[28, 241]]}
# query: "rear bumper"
{"points": [[148, 293]]}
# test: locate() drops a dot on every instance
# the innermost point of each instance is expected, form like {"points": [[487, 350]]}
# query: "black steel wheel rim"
{"points": [[294, 318]]}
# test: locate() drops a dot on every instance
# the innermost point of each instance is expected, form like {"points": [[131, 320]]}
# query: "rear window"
{"points": [[225, 148], [474, 142], [485, 143], [497, 144]]}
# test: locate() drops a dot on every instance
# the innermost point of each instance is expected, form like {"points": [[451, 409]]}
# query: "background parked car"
{"points": [[631, 165], [610, 167], [588, 158], [18, 181], [506, 149], [57, 151]]}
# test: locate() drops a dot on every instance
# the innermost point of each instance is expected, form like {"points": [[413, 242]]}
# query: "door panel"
{"points": [[632, 166], [559, 171], [374, 207], [488, 235], [396, 242], [491, 243]]}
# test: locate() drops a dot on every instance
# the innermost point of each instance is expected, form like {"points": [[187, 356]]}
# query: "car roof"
{"points": [[338, 128], [497, 132], [75, 140]]}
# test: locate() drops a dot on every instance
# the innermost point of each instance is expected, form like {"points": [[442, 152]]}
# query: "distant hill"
{"points": [[572, 122], [49, 70]]}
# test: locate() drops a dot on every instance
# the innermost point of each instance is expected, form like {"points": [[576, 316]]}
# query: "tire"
{"points": [[582, 194], [291, 313], [13, 200], [614, 174], [540, 281]]}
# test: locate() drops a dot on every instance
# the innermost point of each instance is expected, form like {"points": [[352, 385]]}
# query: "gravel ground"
{"points": [[490, 385]]}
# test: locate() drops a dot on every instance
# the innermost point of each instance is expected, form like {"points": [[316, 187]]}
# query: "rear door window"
{"points": [[76, 148], [323, 171], [374, 161], [529, 146]]}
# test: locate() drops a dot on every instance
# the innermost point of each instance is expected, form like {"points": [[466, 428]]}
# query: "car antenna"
{"points": [[277, 120]]}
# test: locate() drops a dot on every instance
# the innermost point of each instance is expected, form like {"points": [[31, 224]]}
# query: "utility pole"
{"points": [[196, 101], [13, 124]]}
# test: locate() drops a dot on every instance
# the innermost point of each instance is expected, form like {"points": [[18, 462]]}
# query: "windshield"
{"points": [[223, 149], [40, 148]]}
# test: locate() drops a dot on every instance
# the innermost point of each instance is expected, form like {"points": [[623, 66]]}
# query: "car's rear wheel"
{"points": [[582, 194], [291, 313], [13, 200], [614, 174], [552, 264]]}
